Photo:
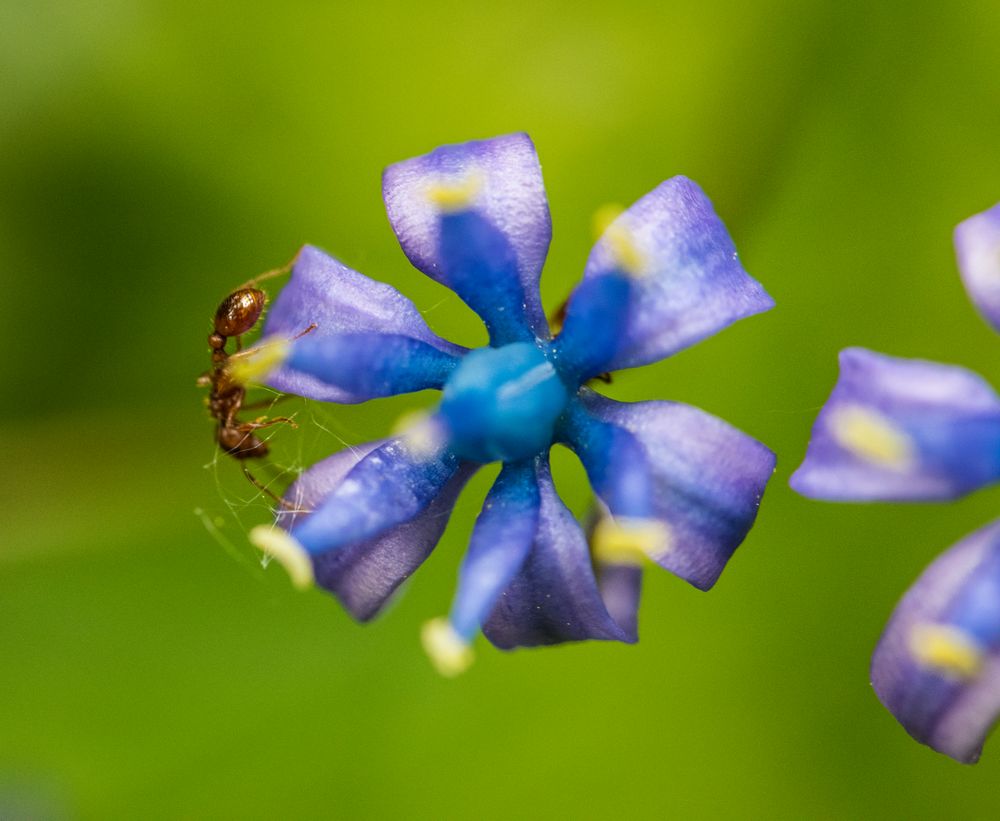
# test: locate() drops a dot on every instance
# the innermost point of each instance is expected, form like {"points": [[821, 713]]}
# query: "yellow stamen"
{"points": [[872, 437], [626, 252], [947, 650], [280, 545], [421, 433], [603, 217], [623, 540], [450, 654], [456, 195], [257, 363]]}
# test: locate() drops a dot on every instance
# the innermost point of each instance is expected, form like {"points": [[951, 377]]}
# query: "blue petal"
{"points": [[708, 480], [507, 229], [947, 698], [902, 429], [502, 538], [595, 327], [388, 487], [554, 597], [977, 243], [337, 300], [688, 281], [370, 365], [364, 575], [615, 461]]}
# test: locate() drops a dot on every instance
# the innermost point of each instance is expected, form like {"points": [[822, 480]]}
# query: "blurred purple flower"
{"points": [[676, 485], [901, 429]]}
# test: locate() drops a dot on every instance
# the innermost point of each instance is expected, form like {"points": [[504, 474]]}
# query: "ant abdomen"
{"points": [[239, 312], [241, 444]]}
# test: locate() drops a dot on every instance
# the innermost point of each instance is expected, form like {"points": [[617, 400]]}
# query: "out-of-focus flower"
{"points": [[676, 485], [906, 430]]}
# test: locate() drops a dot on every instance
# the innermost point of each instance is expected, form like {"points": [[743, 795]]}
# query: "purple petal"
{"points": [[501, 539], [902, 429], [364, 575], [620, 586], [689, 283], [708, 480], [325, 292], [950, 700], [555, 597], [511, 196], [977, 243]]}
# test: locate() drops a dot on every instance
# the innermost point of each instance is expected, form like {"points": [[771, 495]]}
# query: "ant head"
{"points": [[239, 312]]}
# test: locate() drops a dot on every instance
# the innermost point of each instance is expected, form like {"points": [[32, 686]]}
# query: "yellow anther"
{"points": [[281, 546], [603, 217], [871, 436], [257, 363], [421, 433], [947, 650], [627, 254], [455, 195], [450, 654], [623, 540]]}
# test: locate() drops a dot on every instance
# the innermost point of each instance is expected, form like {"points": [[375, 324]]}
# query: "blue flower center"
{"points": [[502, 403]]}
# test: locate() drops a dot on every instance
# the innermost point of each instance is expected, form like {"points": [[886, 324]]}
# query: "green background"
{"points": [[155, 155]]}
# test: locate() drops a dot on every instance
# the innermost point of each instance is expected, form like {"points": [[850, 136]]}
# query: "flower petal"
{"points": [[507, 225], [937, 666], [501, 540], [902, 429], [370, 365], [363, 575], [708, 480], [620, 586], [338, 300], [595, 327], [554, 597], [688, 281], [977, 243]]}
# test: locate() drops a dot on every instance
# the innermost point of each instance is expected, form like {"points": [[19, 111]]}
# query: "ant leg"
{"points": [[276, 272], [301, 334], [268, 403], [265, 489], [262, 422]]}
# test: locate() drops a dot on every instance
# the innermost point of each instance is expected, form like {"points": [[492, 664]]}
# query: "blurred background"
{"points": [[154, 155]]}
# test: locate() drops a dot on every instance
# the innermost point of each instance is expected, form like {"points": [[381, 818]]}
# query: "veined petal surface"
{"points": [[708, 479], [937, 665], [902, 429], [364, 575], [555, 596], [337, 300], [688, 282], [507, 196]]}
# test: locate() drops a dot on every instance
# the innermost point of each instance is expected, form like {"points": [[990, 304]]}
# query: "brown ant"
{"points": [[236, 315], [558, 319]]}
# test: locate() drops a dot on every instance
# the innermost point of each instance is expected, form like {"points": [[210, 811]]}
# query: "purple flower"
{"points": [[902, 429], [676, 485]]}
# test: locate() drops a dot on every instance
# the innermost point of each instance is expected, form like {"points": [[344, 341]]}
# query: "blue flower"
{"points": [[905, 430], [676, 485]]}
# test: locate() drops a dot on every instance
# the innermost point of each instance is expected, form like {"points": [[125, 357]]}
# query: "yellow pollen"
{"points": [[626, 253], [623, 540], [450, 654], [257, 363], [455, 196], [946, 650], [421, 433], [603, 217], [871, 436], [280, 545]]}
